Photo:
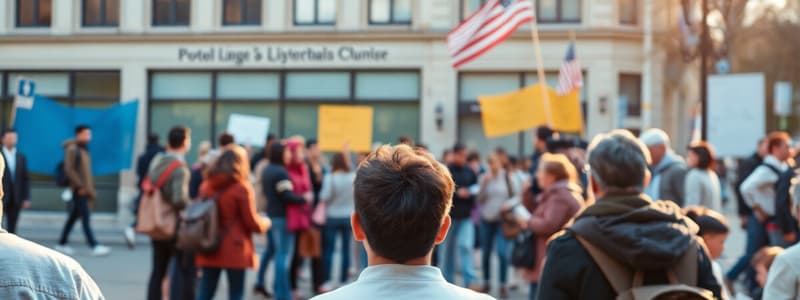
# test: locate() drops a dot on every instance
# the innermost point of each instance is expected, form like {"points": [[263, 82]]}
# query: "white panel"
{"points": [[736, 111]]}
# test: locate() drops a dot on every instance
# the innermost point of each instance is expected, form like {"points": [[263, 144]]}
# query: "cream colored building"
{"points": [[194, 62]]}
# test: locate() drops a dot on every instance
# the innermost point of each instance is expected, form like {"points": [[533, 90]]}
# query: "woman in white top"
{"points": [[497, 186], [337, 194], [702, 184]]}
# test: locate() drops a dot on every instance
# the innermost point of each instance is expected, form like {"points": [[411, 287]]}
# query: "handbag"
{"points": [[523, 251], [157, 217]]}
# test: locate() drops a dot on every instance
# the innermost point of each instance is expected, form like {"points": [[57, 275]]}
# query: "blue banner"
{"points": [[45, 127]]}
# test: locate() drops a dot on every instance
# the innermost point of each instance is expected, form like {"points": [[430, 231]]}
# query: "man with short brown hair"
{"points": [[403, 199]]}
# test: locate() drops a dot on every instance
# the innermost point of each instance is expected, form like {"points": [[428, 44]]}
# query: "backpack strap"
{"points": [[773, 168], [685, 271], [617, 274], [167, 172]]}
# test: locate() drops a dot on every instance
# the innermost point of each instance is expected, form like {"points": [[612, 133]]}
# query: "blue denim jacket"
{"points": [[30, 271]]}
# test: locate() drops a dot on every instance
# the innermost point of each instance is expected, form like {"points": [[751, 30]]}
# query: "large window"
{"points": [[558, 11], [390, 12], [314, 12], [204, 100], [628, 11], [241, 12], [34, 13], [468, 7], [470, 126], [72, 88], [630, 90], [171, 12], [101, 13]]}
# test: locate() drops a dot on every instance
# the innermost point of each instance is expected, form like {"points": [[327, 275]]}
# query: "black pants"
{"points": [[11, 214], [183, 279], [317, 271], [79, 208], [184, 276]]}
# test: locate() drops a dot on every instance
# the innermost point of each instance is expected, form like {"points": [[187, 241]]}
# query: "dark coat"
{"points": [[464, 177], [279, 190], [144, 160], [746, 167], [645, 235], [783, 201], [17, 186]]}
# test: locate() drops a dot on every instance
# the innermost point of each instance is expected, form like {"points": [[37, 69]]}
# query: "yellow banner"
{"points": [[524, 109], [340, 124]]}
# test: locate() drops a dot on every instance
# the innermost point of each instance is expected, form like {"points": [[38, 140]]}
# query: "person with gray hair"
{"points": [[626, 228], [669, 169]]}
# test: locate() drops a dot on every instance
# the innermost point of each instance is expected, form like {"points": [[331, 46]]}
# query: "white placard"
{"points": [[249, 130], [736, 112], [783, 98]]}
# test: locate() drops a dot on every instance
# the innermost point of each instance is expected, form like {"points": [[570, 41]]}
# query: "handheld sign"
{"points": [[341, 124], [248, 130]]}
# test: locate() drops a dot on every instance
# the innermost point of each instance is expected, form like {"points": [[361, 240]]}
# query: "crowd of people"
{"points": [[576, 220]]}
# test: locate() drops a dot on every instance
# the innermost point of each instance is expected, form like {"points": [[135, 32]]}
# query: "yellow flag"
{"points": [[524, 109], [340, 124]]}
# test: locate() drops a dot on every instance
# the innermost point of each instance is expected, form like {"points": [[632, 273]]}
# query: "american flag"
{"points": [[570, 76], [487, 28]]}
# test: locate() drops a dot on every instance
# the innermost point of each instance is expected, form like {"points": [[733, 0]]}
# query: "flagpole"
{"points": [[540, 68]]}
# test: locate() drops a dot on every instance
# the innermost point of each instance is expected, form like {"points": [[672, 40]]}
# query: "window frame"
{"points": [[283, 100], [36, 14], [103, 16], [316, 21], [391, 21], [634, 107], [463, 7], [635, 21], [559, 14], [243, 14], [172, 14]]}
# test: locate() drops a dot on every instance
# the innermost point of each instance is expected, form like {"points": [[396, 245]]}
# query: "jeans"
{"points": [[489, 233], [183, 277], [342, 227], [208, 283], [162, 252], [79, 208], [460, 242], [533, 290], [756, 239], [269, 253], [284, 245]]}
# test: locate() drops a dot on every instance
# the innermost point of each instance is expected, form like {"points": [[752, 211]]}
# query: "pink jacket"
{"points": [[557, 208]]}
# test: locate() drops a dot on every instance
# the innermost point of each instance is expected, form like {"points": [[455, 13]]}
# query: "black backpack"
{"points": [[61, 177]]}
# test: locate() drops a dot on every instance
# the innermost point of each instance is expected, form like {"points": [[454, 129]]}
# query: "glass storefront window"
{"points": [[474, 85], [387, 85], [97, 84], [194, 115], [301, 119], [471, 128], [178, 86], [246, 86], [318, 85], [47, 84], [393, 120]]}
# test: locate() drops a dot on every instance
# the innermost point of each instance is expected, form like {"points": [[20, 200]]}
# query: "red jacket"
{"points": [[238, 219]]}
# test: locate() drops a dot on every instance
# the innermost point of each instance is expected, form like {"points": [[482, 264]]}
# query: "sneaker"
{"points": [[259, 290], [130, 237], [65, 249], [325, 287], [101, 250]]}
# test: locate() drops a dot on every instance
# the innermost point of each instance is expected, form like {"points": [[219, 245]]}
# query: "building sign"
{"points": [[281, 55]]}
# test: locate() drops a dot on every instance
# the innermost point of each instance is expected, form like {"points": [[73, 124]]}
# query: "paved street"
{"points": [[123, 275]]}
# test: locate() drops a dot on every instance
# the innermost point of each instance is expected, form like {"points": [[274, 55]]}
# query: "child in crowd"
{"points": [[714, 231], [761, 263]]}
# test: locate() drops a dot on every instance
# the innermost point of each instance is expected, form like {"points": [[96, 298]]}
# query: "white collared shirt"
{"points": [[11, 160], [389, 282], [759, 187]]}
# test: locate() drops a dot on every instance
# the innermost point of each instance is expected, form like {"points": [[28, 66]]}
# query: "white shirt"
{"points": [[702, 188], [759, 187], [783, 282], [389, 282], [11, 160]]}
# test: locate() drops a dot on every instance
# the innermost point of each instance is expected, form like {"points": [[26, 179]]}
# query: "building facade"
{"points": [[195, 62]]}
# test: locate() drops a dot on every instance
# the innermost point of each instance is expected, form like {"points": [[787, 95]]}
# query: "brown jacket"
{"points": [[557, 207], [80, 176]]}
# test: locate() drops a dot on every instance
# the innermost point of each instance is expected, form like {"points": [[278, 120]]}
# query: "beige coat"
{"points": [[80, 176]]}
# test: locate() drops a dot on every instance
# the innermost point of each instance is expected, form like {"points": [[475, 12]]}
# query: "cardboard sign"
{"points": [[340, 124], [248, 130], [525, 109]]}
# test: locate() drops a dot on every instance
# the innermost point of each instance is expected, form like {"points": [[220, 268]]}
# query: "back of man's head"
{"points": [[402, 196], [618, 162], [225, 139], [776, 139], [152, 138], [177, 137], [654, 137]]}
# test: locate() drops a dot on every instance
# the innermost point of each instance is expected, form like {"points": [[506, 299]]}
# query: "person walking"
{"points": [[171, 164], [78, 168], [261, 164], [16, 181], [744, 169], [669, 169], [280, 190], [142, 167], [702, 183], [460, 240], [228, 179], [337, 198], [630, 230], [759, 194], [557, 205], [497, 187]]}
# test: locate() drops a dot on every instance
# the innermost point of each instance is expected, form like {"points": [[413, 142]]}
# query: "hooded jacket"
{"points": [[639, 233], [80, 175], [176, 188]]}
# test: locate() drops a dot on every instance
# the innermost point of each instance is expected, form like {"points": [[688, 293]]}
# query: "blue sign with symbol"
{"points": [[25, 88]]}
